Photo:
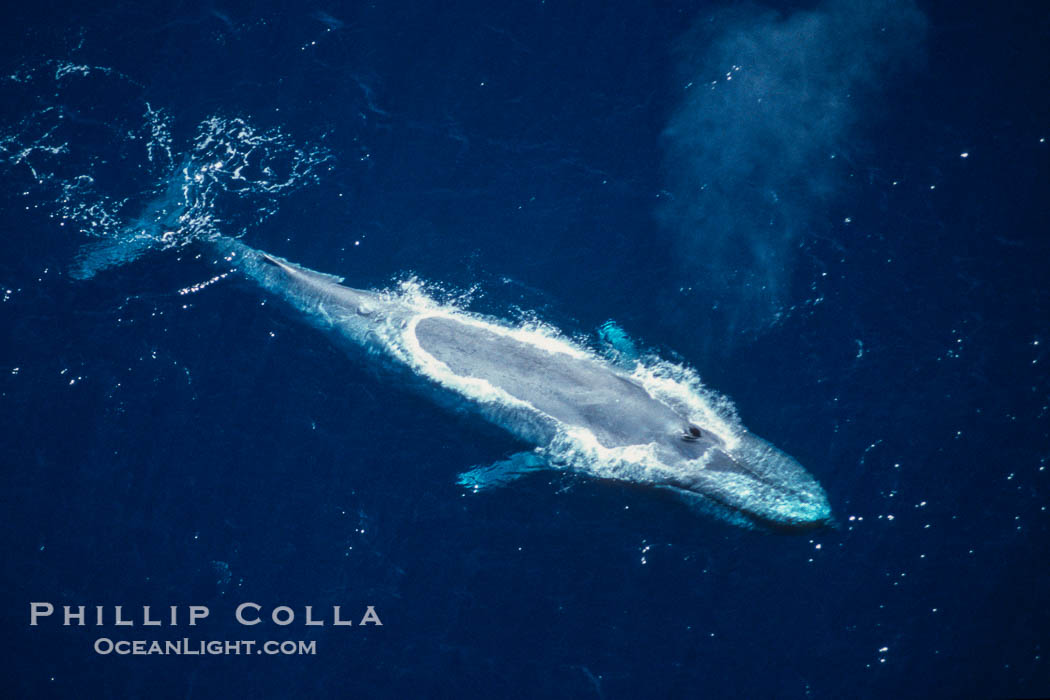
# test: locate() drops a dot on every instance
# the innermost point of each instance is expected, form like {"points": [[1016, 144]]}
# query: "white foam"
{"points": [[680, 387], [673, 384]]}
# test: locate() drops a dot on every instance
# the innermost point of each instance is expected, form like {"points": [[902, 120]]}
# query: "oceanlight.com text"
{"points": [[187, 647]]}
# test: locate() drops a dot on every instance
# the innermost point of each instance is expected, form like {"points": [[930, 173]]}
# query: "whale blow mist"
{"points": [[753, 153]]}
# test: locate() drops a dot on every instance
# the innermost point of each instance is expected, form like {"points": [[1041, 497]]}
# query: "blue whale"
{"points": [[648, 423]]}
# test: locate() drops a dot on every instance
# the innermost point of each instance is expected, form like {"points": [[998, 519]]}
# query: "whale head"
{"points": [[749, 483]]}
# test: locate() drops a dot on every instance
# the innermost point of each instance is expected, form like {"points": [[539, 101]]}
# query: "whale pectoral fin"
{"points": [[503, 472], [617, 346]]}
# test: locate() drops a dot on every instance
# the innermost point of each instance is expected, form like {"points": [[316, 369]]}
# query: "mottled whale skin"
{"points": [[579, 410]]}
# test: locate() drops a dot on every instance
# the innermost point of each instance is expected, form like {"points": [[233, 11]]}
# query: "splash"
{"points": [[90, 156], [755, 151], [563, 445]]}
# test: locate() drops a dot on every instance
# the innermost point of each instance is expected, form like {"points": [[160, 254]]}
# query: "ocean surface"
{"points": [[834, 212]]}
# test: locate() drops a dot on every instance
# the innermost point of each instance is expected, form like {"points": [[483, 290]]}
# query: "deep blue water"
{"points": [[808, 235]]}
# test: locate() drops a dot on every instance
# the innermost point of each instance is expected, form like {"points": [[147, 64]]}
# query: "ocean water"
{"points": [[834, 212]]}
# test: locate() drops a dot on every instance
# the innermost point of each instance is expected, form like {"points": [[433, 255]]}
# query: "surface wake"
{"points": [[123, 179]]}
